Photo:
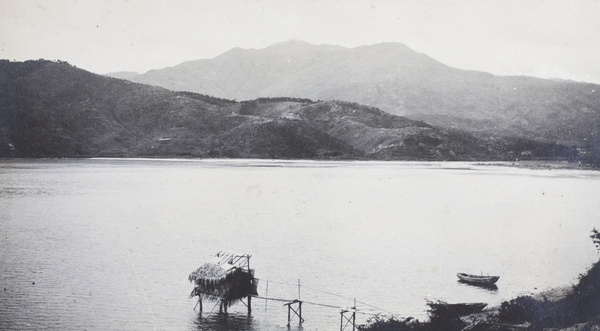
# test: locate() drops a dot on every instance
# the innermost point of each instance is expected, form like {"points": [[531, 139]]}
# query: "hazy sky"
{"points": [[549, 39]]}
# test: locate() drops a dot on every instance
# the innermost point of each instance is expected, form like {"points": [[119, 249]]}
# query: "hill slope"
{"points": [[51, 109], [398, 80]]}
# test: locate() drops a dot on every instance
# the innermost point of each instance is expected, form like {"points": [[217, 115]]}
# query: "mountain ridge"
{"points": [[51, 109], [398, 80]]}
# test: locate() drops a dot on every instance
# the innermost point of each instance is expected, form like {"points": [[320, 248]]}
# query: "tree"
{"points": [[596, 238]]}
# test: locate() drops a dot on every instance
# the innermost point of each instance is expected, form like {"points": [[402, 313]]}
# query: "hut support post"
{"points": [[266, 295], [249, 272], [249, 305], [348, 320], [223, 307], [296, 312]]}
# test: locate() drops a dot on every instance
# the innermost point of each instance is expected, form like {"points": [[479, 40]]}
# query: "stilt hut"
{"points": [[227, 279]]}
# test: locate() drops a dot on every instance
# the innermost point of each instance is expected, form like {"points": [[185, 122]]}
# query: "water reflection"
{"points": [[489, 287], [225, 321], [239, 322]]}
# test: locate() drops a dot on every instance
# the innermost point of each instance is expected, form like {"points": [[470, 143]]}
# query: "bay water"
{"points": [[107, 244]]}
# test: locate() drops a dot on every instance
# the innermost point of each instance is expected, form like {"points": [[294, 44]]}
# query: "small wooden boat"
{"points": [[444, 309], [477, 279]]}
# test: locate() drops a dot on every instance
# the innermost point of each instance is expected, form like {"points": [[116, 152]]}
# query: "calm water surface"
{"points": [[108, 244]]}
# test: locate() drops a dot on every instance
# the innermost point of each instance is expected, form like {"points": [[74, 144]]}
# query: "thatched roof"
{"points": [[223, 281], [211, 271]]}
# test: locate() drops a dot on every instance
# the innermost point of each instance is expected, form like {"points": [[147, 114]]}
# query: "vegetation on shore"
{"points": [[574, 308]]}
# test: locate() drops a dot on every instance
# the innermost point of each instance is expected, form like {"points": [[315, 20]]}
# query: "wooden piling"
{"points": [[296, 312], [349, 320]]}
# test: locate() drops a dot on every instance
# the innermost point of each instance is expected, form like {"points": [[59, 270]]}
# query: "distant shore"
{"points": [[549, 165]]}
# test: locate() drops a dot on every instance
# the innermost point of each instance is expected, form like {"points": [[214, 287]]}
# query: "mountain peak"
{"points": [[390, 45], [389, 48], [291, 43], [296, 45]]}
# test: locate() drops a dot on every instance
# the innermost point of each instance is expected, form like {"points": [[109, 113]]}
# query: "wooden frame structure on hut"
{"points": [[235, 259], [214, 272]]}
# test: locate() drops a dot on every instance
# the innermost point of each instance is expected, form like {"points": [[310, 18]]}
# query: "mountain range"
{"points": [[399, 81], [53, 109]]}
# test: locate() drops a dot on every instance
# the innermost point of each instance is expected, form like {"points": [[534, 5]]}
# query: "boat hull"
{"points": [[446, 310], [477, 280]]}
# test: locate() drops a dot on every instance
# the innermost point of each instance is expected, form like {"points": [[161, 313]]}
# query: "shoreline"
{"points": [[523, 164]]}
